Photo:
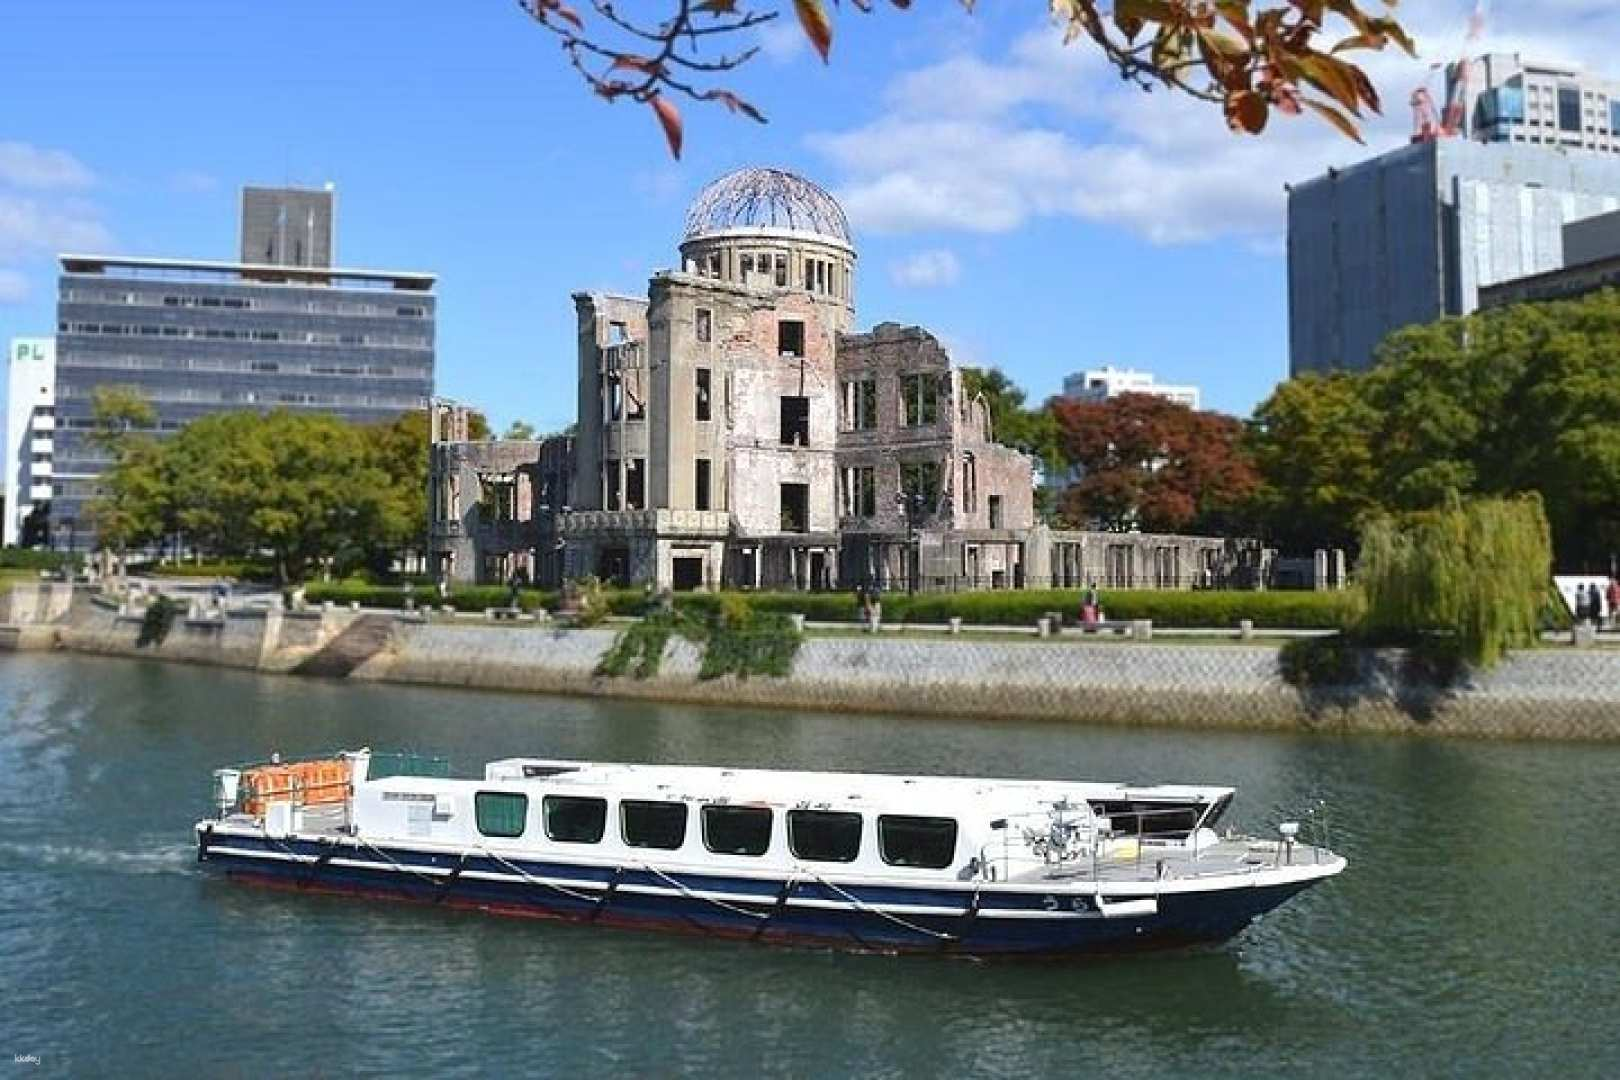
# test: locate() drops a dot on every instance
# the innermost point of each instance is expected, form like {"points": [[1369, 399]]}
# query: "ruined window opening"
{"points": [[790, 337], [714, 264], [921, 479], [635, 484], [747, 267], [700, 486], [612, 398], [704, 395], [860, 491], [705, 326], [610, 484], [781, 271], [795, 421], [920, 394], [860, 405], [617, 333], [796, 508], [970, 485], [995, 512]]}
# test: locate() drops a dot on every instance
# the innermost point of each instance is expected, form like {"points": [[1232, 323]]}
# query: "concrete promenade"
{"points": [[1551, 692]]}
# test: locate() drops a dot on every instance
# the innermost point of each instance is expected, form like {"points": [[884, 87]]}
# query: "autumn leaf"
{"points": [[719, 7], [817, 27], [1246, 111], [1334, 117], [669, 118]]}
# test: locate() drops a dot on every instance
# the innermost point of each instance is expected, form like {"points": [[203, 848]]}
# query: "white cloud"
{"points": [[13, 287], [927, 269], [30, 226], [988, 145], [25, 166], [781, 40], [194, 182]]}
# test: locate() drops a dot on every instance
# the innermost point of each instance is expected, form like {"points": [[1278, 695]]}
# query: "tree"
{"points": [[1312, 442], [1153, 464], [1247, 56], [116, 413], [519, 429], [127, 508], [1472, 571], [399, 450]]}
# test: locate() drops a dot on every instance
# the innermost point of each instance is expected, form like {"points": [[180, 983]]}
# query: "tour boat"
{"points": [[865, 861]]}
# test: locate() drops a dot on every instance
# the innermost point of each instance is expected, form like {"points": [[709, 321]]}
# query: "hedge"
{"points": [[239, 571], [15, 558]]}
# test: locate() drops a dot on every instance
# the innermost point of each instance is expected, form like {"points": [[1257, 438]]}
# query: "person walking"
{"points": [[1614, 601], [1594, 605]]}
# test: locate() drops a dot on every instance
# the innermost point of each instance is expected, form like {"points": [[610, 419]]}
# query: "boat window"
{"points": [[500, 813], [1216, 812], [1162, 819], [737, 830], [573, 820], [653, 824], [824, 836], [917, 841]]}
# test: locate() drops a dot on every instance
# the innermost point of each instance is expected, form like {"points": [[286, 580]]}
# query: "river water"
{"points": [[1475, 933]]}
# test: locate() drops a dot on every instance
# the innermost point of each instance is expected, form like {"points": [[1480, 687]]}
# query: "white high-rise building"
{"points": [[30, 430], [1511, 99], [1100, 384]]}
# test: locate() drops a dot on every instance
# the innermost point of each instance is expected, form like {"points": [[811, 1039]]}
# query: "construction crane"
{"points": [[1426, 127]]}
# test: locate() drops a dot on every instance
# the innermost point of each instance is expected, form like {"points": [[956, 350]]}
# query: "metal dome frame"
{"points": [[766, 200]]}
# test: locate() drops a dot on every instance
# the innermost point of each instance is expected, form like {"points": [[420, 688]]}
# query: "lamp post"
{"points": [[912, 504]]}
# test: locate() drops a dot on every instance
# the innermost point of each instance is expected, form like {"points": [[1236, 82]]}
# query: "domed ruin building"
{"points": [[733, 430]]}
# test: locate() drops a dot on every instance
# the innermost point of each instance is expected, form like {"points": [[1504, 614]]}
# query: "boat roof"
{"points": [[782, 787]]}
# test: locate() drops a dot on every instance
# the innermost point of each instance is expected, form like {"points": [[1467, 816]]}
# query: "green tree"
{"points": [[399, 449], [519, 429], [1474, 572], [1313, 443], [129, 507]]}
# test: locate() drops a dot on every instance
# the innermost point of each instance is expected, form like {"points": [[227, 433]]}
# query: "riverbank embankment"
{"points": [[1559, 693]]}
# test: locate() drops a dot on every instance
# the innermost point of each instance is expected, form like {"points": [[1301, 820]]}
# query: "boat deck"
{"points": [[1240, 855]]}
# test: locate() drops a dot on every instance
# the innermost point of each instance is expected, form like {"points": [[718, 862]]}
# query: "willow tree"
{"points": [[1473, 572], [1250, 57]]}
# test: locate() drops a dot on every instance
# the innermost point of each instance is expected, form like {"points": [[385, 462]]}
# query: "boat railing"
{"points": [[1057, 837]]}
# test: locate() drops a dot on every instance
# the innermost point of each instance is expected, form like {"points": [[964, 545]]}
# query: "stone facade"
{"points": [[493, 504]]}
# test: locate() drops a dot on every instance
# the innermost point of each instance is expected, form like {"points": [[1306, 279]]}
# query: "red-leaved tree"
{"points": [[1148, 463]]}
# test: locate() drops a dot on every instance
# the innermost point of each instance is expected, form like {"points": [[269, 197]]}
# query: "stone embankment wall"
{"points": [[1545, 693]]}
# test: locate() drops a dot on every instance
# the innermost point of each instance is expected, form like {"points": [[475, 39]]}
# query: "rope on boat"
{"points": [[864, 907], [531, 879], [396, 864], [690, 895]]}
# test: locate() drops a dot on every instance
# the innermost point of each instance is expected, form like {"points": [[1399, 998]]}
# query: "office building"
{"points": [[1415, 234], [1591, 262], [289, 226], [1100, 384], [30, 439], [1509, 99]]}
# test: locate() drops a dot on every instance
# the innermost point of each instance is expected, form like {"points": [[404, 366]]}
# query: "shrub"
{"points": [[239, 570], [639, 648], [15, 558], [158, 620], [464, 598]]}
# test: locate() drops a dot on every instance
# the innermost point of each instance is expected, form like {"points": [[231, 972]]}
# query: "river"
{"points": [[1473, 935]]}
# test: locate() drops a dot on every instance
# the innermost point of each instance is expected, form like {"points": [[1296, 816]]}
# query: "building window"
{"points": [[737, 830], [781, 271], [618, 333], [700, 486], [824, 836], [1569, 108], [860, 405], [705, 325], [612, 398], [795, 421], [610, 484], [705, 397], [920, 482], [747, 267], [970, 485], [635, 484], [995, 511], [795, 508], [928, 842], [860, 491], [500, 813], [920, 394], [570, 819], [790, 337], [653, 824]]}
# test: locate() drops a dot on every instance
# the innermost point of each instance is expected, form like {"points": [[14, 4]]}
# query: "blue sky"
{"points": [[1007, 193]]}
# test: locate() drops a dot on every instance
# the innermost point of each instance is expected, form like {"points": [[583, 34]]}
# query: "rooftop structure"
{"points": [[288, 226]]}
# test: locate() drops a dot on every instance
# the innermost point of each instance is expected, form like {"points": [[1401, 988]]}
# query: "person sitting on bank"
{"points": [[1088, 605]]}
